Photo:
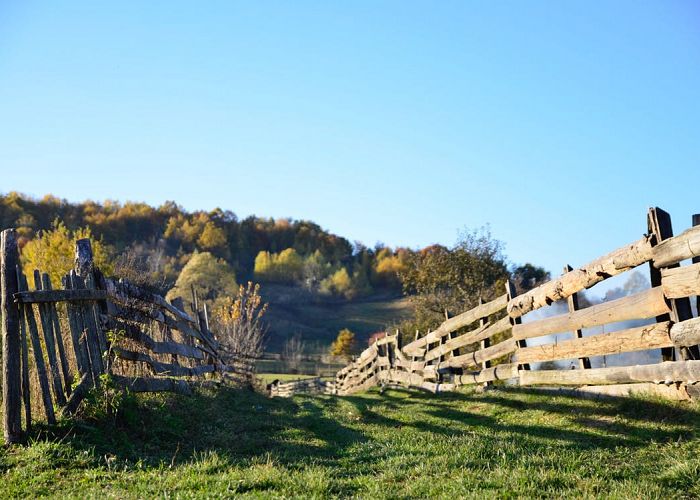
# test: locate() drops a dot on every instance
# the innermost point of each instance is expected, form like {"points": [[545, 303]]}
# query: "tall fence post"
{"points": [[659, 225], [696, 260], [583, 363], [11, 351], [511, 293]]}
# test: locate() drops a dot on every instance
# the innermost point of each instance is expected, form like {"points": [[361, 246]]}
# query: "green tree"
{"points": [[212, 278], [443, 280], [344, 344]]}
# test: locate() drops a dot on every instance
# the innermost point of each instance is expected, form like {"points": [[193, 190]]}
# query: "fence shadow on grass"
{"points": [[238, 425], [584, 423]]}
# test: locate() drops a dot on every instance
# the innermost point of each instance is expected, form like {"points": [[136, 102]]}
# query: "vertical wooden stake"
{"points": [[696, 222], [11, 350], [510, 291], [583, 363], [484, 343], [659, 225], [26, 396], [47, 330]]}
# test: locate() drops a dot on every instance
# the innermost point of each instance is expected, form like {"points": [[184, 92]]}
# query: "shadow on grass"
{"points": [[243, 427], [584, 423], [239, 425]]}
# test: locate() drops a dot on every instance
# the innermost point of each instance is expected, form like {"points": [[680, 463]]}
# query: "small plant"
{"points": [[105, 400]]}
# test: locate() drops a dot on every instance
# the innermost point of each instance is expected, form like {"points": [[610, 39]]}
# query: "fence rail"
{"points": [[490, 342], [59, 342]]}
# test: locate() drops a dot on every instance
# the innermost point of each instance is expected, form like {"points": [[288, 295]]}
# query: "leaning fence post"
{"points": [[11, 354]]}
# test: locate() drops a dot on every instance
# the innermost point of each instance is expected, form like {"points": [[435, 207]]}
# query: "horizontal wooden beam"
{"points": [[43, 296], [477, 357], [647, 304], [686, 333], [499, 372], [666, 372], [616, 262], [472, 337], [632, 339], [141, 384], [679, 282], [162, 368], [416, 347], [677, 248]]}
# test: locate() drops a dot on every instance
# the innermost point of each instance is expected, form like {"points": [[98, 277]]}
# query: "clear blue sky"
{"points": [[558, 123]]}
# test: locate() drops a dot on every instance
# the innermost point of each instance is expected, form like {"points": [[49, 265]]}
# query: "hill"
{"points": [[229, 442]]}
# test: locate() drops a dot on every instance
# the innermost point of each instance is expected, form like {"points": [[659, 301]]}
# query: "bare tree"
{"points": [[292, 352], [240, 328]]}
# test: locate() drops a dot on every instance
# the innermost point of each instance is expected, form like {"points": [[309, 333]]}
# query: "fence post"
{"points": [[11, 353], [696, 260], [510, 292], [583, 363], [659, 225]]}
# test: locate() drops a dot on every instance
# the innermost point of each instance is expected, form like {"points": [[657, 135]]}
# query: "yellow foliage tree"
{"points": [[344, 344], [53, 252]]}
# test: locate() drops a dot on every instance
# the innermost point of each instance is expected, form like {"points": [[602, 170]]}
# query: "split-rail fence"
{"points": [[489, 343]]}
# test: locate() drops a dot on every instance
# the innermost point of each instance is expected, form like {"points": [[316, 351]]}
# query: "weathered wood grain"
{"points": [[499, 372], [681, 282], [686, 333], [11, 341], [665, 372], [43, 296], [616, 262], [461, 320], [678, 248], [647, 304], [632, 339]]}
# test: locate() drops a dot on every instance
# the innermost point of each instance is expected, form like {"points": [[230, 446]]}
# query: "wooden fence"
{"points": [[302, 386], [58, 343], [490, 342]]}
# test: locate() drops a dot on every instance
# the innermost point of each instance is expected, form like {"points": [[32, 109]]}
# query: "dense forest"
{"points": [[170, 248]]}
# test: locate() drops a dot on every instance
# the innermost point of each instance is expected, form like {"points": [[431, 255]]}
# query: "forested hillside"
{"points": [[308, 275]]}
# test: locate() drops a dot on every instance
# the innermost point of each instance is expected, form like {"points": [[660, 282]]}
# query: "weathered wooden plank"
{"points": [[53, 318], [43, 296], [26, 394], [499, 372], [88, 323], [123, 291], [162, 368], [140, 384], [642, 305], [134, 332], [681, 282], [461, 320], [665, 372], [616, 262], [76, 331], [11, 340], [678, 248], [39, 363], [633, 339], [50, 344], [476, 358], [483, 332], [686, 333], [676, 392]]}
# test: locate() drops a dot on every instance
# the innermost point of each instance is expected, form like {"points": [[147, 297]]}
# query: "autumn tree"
{"points": [[53, 252], [239, 323], [344, 344]]}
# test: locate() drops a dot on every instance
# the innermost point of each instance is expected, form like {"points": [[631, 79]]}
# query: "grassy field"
{"points": [[293, 312], [227, 442]]}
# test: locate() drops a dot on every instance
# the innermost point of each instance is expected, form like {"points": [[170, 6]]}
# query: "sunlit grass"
{"points": [[400, 444]]}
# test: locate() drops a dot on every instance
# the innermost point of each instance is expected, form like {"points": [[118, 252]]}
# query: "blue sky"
{"points": [[557, 123]]}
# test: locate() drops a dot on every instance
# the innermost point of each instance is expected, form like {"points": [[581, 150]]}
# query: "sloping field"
{"points": [[228, 442]]}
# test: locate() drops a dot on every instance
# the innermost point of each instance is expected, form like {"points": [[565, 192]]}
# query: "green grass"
{"points": [[228, 442]]}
